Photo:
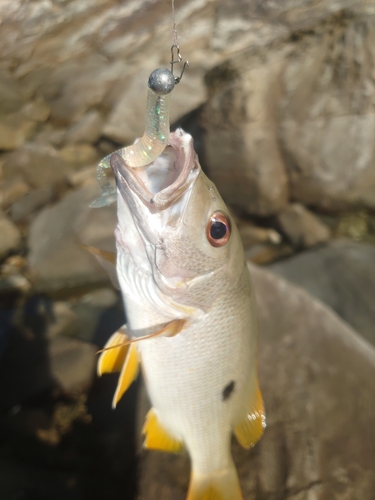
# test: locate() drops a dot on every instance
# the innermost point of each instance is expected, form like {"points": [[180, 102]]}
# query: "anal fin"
{"points": [[156, 437], [251, 428]]}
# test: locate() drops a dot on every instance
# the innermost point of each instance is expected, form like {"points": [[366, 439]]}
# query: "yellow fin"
{"points": [[222, 485], [251, 428], [112, 360], [156, 437], [128, 373]]}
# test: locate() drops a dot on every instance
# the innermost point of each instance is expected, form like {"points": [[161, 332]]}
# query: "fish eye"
{"points": [[218, 229]]}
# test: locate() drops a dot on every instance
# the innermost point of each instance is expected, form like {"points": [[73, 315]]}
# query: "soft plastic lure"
{"points": [[153, 142]]}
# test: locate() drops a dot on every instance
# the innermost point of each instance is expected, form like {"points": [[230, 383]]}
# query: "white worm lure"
{"points": [[155, 138]]}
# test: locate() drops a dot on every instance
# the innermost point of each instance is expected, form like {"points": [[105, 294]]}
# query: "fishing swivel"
{"points": [[175, 49]]}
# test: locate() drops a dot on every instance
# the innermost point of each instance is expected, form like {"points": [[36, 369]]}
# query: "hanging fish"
{"points": [[191, 314]]}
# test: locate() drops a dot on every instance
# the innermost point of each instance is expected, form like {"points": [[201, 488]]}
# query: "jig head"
{"points": [[155, 138]]}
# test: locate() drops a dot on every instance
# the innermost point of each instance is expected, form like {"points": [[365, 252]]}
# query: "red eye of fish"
{"points": [[218, 229]]}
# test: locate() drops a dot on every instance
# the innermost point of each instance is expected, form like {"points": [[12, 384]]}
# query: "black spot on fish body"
{"points": [[228, 390]]}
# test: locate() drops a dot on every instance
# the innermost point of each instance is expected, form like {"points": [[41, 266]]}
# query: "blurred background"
{"points": [[280, 99]]}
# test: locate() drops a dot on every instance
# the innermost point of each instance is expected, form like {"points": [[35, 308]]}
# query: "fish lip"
{"points": [[127, 178]]}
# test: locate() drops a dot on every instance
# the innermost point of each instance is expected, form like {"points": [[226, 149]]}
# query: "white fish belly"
{"points": [[186, 376]]}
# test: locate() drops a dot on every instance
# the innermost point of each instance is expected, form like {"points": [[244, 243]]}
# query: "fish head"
{"points": [[177, 244]]}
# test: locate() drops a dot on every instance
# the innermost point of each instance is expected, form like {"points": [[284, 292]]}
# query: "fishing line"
{"points": [[174, 29]]}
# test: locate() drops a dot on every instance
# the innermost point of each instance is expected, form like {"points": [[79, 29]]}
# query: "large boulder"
{"points": [[317, 378], [342, 275]]}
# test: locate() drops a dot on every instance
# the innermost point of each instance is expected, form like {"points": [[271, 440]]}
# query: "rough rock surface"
{"points": [[295, 120], [317, 378], [10, 236], [302, 227], [72, 363], [55, 258], [342, 275]]}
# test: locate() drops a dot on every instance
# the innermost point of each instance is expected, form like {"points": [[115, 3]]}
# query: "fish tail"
{"points": [[219, 485]]}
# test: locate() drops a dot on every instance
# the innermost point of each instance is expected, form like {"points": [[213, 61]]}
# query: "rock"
{"points": [[315, 372], [38, 110], [72, 363], [83, 86], [50, 136], [252, 235], [38, 165], [64, 321], [13, 265], [341, 275], [55, 258], [15, 131], [83, 177], [12, 96], [242, 153], [264, 253], [10, 236], [11, 191], [90, 310], [23, 209], [327, 124], [14, 283], [88, 130], [79, 154], [302, 227]]}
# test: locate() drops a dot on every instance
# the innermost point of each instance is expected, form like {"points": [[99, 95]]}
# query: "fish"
{"points": [[191, 316]]}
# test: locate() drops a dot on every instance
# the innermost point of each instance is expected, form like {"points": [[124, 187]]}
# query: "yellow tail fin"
{"points": [[220, 485]]}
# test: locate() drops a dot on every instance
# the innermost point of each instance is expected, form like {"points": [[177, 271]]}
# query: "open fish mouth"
{"points": [[159, 184]]}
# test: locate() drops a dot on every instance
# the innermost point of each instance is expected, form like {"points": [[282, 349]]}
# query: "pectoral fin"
{"points": [[156, 437], [128, 373], [251, 428], [112, 360]]}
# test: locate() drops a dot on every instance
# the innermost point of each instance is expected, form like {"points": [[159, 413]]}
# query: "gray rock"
{"points": [[72, 363], [79, 154], [55, 258], [315, 373], [302, 227], [89, 311], [11, 191], [14, 283], [24, 208], [12, 96], [37, 110], [252, 235], [242, 153], [87, 130], [39, 165], [327, 122], [15, 131], [83, 177], [64, 321], [342, 275], [10, 236]]}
